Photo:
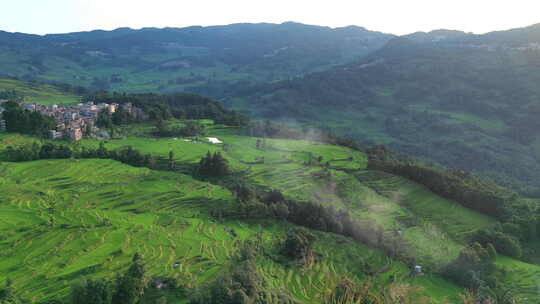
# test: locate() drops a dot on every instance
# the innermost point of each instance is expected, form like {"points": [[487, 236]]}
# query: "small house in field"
{"points": [[214, 140]]}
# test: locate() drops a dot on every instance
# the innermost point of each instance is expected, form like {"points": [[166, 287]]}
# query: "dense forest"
{"points": [[180, 106], [465, 101]]}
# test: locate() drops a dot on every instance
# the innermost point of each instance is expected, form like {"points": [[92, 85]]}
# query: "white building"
{"points": [[53, 134], [214, 140]]}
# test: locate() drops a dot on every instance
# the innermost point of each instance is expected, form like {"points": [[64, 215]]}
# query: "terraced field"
{"points": [[64, 219], [522, 277], [37, 93], [87, 217]]}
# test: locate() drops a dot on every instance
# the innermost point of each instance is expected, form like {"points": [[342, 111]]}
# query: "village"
{"points": [[73, 122]]}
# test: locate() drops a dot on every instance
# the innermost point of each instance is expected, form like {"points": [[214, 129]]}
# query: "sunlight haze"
{"points": [[396, 17]]}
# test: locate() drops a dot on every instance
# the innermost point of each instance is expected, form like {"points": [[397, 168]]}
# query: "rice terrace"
{"points": [[267, 163]]}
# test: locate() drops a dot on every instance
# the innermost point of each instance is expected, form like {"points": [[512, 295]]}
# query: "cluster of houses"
{"points": [[75, 121]]}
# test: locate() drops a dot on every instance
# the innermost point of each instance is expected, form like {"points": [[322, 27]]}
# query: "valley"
{"points": [[269, 163]]}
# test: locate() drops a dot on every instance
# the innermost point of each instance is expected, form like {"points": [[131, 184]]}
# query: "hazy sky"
{"points": [[391, 16]]}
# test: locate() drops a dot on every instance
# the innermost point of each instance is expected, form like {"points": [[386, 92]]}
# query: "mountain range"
{"points": [[175, 59]]}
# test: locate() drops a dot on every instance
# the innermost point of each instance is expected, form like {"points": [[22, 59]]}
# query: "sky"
{"points": [[390, 16]]}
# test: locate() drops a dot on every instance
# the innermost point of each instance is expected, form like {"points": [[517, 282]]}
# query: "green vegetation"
{"points": [[464, 101], [37, 93], [185, 220], [136, 202], [207, 60], [26, 121], [79, 218]]}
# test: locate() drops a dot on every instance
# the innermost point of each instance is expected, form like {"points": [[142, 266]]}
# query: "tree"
{"points": [[132, 284], [102, 151], [220, 165], [299, 244], [121, 116], [172, 163], [7, 295], [242, 285], [87, 291], [161, 127], [281, 210], [492, 253], [501, 241], [205, 165], [104, 119], [214, 165], [245, 193], [192, 128]]}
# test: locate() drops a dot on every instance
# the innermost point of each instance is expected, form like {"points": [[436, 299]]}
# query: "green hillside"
{"points": [[364, 230], [197, 59], [462, 100], [78, 218], [64, 219], [37, 93]]}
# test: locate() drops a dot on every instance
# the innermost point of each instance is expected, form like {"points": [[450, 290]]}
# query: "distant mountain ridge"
{"points": [[202, 59]]}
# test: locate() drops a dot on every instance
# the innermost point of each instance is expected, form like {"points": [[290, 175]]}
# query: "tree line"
{"points": [[121, 116], [258, 203], [214, 165], [179, 105], [50, 150], [519, 221], [10, 95], [190, 128], [459, 185], [127, 288]]}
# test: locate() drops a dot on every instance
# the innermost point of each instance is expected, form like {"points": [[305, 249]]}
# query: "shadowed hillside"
{"points": [[466, 101]]}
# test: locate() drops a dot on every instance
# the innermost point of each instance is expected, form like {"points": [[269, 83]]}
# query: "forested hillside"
{"points": [[466, 101], [199, 59]]}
